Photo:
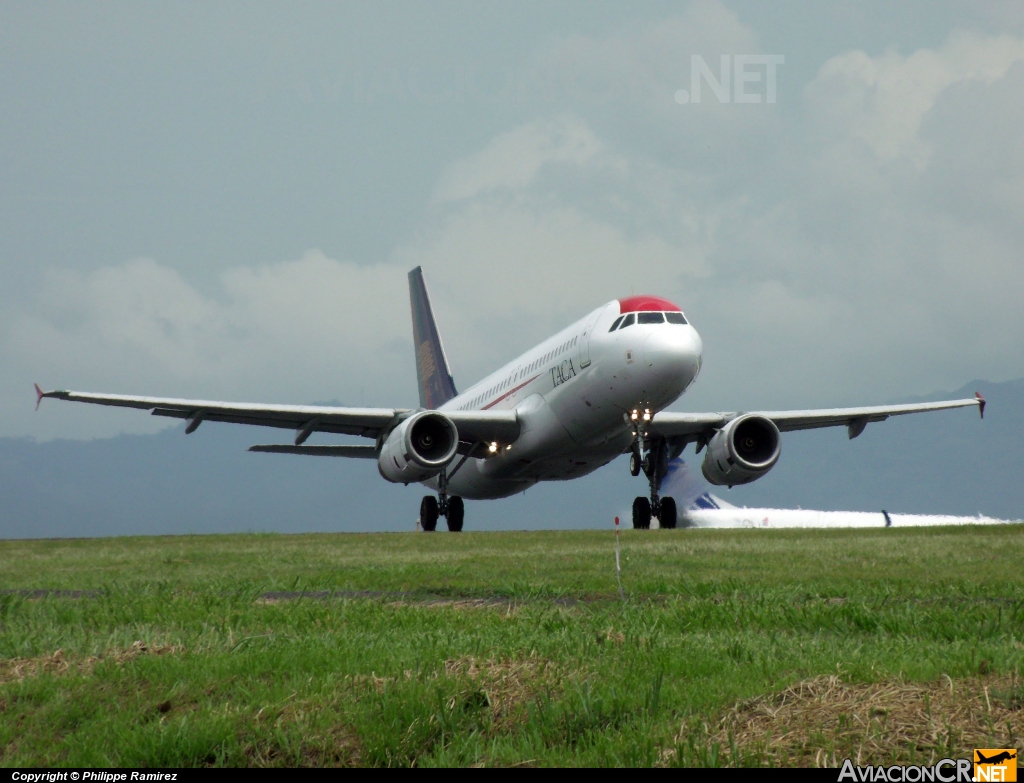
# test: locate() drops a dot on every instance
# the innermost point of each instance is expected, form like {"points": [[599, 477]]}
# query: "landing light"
{"points": [[509, 446], [647, 415], [634, 415], [493, 447]]}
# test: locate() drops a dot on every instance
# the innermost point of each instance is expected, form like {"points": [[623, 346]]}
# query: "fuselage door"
{"points": [[585, 337]]}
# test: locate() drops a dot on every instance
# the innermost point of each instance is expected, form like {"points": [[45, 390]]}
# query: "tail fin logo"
{"points": [[435, 381]]}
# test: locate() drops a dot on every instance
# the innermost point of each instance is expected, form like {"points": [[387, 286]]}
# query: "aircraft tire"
{"points": [[429, 513], [456, 514], [667, 516], [647, 464], [634, 464], [641, 514]]}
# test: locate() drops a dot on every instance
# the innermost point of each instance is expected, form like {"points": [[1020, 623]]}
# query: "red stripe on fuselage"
{"points": [[636, 304], [510, 392]]}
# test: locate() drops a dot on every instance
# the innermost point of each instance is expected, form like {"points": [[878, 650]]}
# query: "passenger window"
{"points": [[675, 318], [616, 324], [628, 321], [650, 318]]}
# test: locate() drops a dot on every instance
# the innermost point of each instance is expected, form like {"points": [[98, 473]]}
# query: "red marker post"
{"points": [[618, 567]]}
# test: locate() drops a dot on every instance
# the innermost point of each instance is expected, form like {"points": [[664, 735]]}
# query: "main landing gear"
{"points": [[431, 509], [654, 464], [451, 508]]}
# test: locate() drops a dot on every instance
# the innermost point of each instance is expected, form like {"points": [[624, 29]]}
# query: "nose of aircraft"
{"points": [[673, 353]]}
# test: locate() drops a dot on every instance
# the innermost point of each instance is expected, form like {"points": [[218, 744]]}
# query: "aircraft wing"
{"points": [[359, 452], [695, 426], [473, 426]]}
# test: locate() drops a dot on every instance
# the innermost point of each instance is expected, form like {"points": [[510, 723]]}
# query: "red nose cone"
{"points": [[635, 304]]}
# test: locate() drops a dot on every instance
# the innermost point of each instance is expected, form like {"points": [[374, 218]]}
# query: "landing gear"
{"points": [[456, 513], [429, 512], [667, 514], [654, 464], [451, 508], [641, 514], [634, 462]]}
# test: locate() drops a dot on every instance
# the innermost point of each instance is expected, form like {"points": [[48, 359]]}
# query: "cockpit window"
{"points": [[650, 318], [675, 318], [627, 321], [616, 324]]}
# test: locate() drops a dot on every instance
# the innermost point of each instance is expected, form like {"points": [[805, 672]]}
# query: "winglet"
{"points": [[39, 395], [981, 404]]}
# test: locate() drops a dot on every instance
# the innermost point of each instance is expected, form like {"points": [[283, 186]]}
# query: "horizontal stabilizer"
{"points": [[359, 452]]}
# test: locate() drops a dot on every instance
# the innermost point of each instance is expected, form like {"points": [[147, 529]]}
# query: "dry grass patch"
{"points": [[335, 746], [502, 686], [505, 687], [461, 604], [823, 721], [14, 669]]}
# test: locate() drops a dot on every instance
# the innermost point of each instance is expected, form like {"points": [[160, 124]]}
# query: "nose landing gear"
{"points": [[654, 463]]}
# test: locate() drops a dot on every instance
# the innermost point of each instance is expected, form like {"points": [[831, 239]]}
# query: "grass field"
{"points": [[732, 647]]}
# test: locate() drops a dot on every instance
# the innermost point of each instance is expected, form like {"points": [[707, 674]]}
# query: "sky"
{"points": [[222, 200]]}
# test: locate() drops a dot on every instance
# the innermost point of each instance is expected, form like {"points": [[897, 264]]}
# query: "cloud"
{"points": [[882, 101], [639, 67], [513, 159], [860, 245], [852, 250], [297, 331]]}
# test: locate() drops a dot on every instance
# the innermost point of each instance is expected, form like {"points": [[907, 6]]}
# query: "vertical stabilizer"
{"points": [[435, 379]]}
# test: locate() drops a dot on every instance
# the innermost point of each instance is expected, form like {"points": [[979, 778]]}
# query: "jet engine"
{"points": [[743, 450], [418, 448]]}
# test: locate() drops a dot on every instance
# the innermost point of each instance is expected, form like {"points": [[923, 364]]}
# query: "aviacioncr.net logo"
{"points": [[945, 771]]}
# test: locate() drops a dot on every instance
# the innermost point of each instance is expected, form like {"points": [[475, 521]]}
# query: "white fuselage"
{"points": [[572, 394]]}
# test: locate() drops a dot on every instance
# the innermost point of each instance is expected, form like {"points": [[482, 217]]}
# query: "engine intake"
{"points": [[742, 451], [418, 448]]}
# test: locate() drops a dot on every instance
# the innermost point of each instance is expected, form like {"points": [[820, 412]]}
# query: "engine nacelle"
{"points": [[743, 450], [418, 448]]}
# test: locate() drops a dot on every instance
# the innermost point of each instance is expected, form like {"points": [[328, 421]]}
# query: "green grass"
{"points": [[529, 658]]}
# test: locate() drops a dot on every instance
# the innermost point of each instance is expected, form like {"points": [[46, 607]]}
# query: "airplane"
{"points": [[1004, 756], [594, 391], [700, 508]]}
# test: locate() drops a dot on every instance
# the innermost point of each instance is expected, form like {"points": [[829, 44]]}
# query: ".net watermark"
{"points": [[738, 80]]}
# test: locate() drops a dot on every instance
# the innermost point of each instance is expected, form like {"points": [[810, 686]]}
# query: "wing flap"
{"points": [[671, 425], [357, 452]]}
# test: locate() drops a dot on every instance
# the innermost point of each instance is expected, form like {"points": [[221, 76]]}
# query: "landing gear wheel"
{"points": [[429, 513], [641, 514], [634, 463], [647, 464], [456, 513], [667, 516]]}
